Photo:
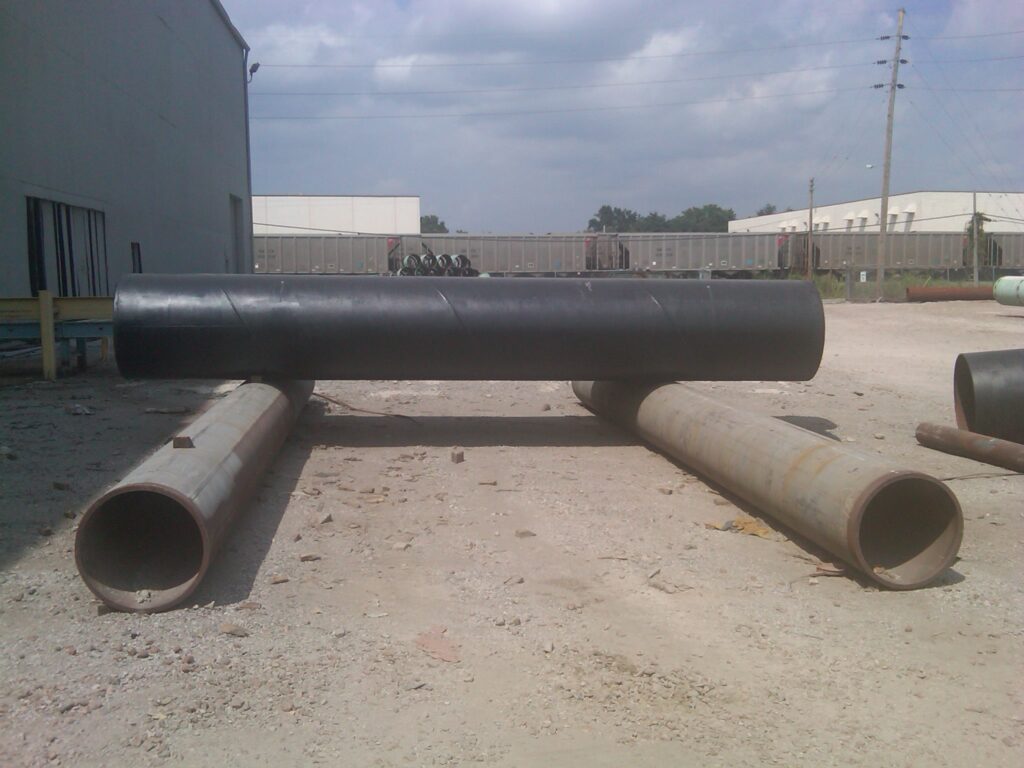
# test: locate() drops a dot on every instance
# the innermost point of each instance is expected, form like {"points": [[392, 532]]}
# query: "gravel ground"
{"points": [[555, 599]]}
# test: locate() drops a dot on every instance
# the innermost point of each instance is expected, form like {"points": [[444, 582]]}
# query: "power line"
{"points": [[976, 90], [971, 61], [422, 116], [969, 37], [518, 89], [638, 57]]}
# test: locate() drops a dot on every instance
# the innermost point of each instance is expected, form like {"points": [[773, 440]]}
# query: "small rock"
{"points": [[812, 581], [666, 491], [309, 557], [499, 622], [468, 677], [546, 407], [367, 489], [249, 605], [339, 633], [548, 647], [45, 530], [401, 546], [858, 394], [524, 533], [279, 578], [287, 705], [328, 518], [59, 485], [234, 630], [458, 456], [7, 453], [514, 580], [143, 654], [879, 436], [69, 514], [488, 482], [654, 573], [720, 502], [77, 409], [297, 537]]}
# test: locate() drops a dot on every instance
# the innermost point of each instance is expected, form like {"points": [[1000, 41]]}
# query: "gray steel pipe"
{"points": [[971, 445], [146, 543], [899, 527], [1009, 291]]}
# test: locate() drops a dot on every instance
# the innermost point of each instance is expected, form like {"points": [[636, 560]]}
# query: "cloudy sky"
{"points": [[527, 116]]}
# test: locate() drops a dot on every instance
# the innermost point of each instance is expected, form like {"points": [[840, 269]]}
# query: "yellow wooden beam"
{"points": [[46, 335], [19, 309], [84, 307], [66, 308]]}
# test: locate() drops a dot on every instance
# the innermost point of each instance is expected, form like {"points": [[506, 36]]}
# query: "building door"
{"points": [[67, 249]]}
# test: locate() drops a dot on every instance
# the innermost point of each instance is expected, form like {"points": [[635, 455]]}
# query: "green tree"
{"points": [[767, 209], [990, 254], [613, 220], [431, 225], [707, 218]]}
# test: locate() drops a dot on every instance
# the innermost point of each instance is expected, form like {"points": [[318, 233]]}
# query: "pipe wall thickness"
{"points": [[900, 528], [338, 327], [1009, 291], [146, 543], [988, 393], [971, 445]]}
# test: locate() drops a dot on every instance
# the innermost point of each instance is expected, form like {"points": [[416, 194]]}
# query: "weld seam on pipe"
{"points": [[146, 543], [900, 528]]}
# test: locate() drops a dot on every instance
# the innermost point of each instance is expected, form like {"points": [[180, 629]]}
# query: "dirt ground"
{"points": [[584, 613]]}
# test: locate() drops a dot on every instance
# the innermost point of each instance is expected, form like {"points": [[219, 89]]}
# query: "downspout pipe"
{"points": [[900, 528], [147, 542]]}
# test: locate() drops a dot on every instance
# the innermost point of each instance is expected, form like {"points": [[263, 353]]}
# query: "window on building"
{"points": [[908, 221], [892, 221], [824, 226], [67, 249], [849, 225], [863, 223]]}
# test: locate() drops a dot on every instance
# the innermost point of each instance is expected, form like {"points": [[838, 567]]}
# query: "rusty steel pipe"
{"points": [[899, 527], [146, 543], [971, 445], [988, 393], [949, 292]]}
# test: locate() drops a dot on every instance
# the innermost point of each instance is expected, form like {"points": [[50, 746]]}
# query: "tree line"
{"points": [[706, 218]]}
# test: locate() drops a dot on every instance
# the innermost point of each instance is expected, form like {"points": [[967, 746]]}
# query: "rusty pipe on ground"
{"points": [[988, 393], [949, 292], [146, 543], [901, 528], [971, 445]]}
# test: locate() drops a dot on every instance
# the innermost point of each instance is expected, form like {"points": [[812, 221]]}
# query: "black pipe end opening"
{"points": [[140, 550], [909, 531], [963, 394]]}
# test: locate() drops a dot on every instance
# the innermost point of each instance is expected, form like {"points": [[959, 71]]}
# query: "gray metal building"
{"points": [[125, 143]]}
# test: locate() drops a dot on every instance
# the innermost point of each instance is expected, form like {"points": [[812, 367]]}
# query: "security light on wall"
{"points": [[253, 69]]}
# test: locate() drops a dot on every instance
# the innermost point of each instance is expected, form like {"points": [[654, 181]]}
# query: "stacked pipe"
{"points": [[445, 265], [1009, 291], [988, 398]]}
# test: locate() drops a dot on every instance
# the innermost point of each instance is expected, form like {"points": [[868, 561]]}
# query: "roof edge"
{"points": [[229, 24]]}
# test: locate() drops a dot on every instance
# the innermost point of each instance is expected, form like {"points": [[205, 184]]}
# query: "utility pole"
{"points": [[883, 222], [810, 233], [975, 238]]}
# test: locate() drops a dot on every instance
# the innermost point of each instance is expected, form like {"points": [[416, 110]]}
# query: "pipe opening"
{"points": [[140, 551], [963, 394], [910, 532]]}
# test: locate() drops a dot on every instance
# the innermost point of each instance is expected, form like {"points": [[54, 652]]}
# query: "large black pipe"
{"points": [[338, 327], [988, 393]]}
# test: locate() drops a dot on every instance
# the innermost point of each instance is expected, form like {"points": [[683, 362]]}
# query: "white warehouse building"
{"points": [[336, 214], [908, 212], [125, 143]]}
